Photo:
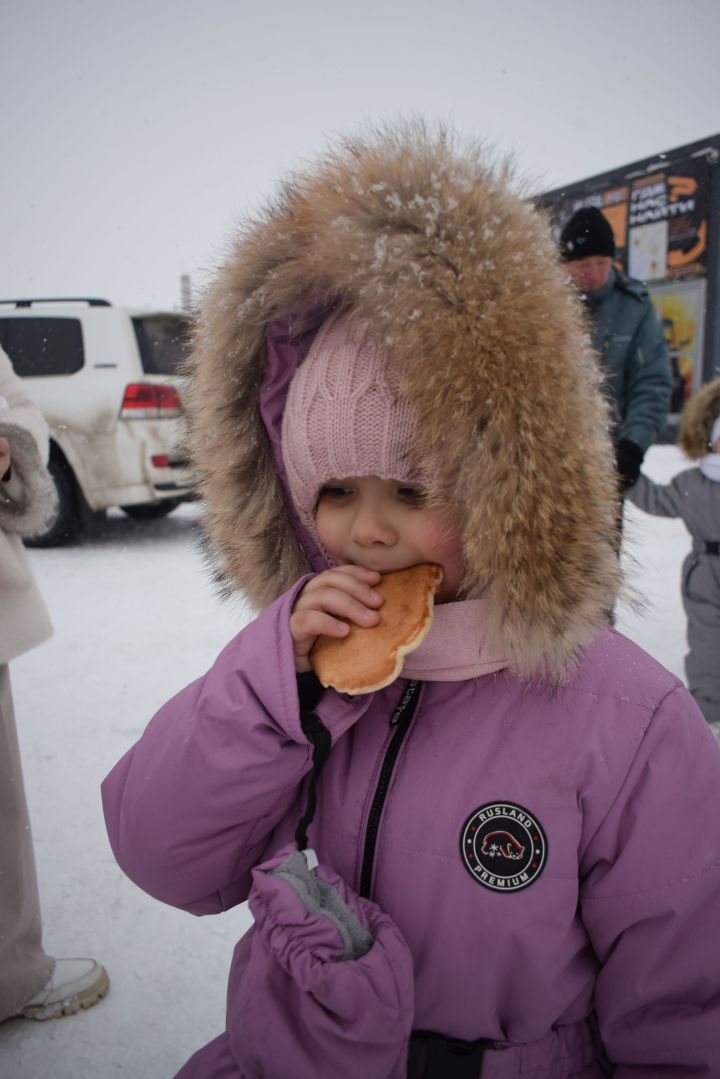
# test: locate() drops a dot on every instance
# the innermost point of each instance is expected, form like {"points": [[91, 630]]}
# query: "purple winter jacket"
{"points": [[541, 850]]}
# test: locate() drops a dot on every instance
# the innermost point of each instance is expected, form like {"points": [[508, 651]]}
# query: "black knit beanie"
{"points": [[588, 232]]}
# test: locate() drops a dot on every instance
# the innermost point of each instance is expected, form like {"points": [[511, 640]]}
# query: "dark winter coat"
{"points": [[635, 360]]}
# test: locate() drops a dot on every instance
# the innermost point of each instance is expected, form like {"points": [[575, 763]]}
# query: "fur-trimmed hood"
{"points": [[698, 418], [422, 238]]}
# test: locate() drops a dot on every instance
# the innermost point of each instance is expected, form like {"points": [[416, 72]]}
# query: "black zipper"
{"points": [[400, 722]]}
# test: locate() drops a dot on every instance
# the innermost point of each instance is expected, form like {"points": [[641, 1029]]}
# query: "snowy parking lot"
{"points": [[135, 619]]}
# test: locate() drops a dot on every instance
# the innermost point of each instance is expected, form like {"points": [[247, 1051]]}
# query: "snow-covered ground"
{"points": [[136, 619]]}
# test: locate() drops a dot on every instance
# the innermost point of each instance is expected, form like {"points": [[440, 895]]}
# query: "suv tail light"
{"points": [[149, 401]]}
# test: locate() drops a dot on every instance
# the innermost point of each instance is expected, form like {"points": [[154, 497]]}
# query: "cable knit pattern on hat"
{"points": [[344, 416]]}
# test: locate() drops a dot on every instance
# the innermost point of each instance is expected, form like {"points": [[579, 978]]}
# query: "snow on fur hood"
{"points": [[424, 239]]}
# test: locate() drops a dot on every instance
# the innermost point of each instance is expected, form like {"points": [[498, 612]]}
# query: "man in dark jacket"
{"points": [[626, 334]]}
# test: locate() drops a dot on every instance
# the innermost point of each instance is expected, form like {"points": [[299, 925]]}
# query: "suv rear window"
{"points": [[163, 342], [43, 346]]}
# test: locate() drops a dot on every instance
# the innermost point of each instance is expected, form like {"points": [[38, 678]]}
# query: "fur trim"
{"points": [[29, 501], [698, 418], [423, 238]]}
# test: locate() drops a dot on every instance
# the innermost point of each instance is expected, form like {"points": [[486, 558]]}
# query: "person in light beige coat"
{"points": [[32, 984]]}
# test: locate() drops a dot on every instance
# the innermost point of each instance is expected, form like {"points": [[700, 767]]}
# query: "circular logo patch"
{"points": [[503, 846]]}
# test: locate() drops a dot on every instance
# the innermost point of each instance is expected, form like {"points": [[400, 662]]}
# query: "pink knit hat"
{"points": [[344, 416]]}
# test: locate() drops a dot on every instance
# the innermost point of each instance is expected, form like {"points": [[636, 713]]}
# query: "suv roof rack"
{"points": [[89, 300]]}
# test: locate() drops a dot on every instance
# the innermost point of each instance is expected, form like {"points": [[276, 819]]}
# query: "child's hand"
{"points": [[327, 603]]}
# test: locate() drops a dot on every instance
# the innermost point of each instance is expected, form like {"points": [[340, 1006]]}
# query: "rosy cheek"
{"points": [[326, 529]]}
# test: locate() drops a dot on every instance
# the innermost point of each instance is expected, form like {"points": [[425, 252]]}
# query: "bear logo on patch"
{"points": [[503, 846]]}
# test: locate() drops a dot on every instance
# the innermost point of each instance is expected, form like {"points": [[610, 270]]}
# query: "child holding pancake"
{"points": [[512, 849]]}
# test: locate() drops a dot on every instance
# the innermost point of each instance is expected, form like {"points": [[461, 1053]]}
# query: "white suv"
{"points": [[105, 379]]}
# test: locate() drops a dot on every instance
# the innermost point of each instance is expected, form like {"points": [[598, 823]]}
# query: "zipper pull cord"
{"points": [[319, 736]]}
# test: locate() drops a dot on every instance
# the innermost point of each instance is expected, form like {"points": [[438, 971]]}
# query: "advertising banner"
{"points": [[680, 308], [668, 222]]}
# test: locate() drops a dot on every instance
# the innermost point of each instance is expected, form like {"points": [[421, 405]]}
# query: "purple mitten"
{"points": [[326, 986]]}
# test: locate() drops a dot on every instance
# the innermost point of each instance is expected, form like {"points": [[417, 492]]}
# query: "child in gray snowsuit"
{"points": [[694, 495]]}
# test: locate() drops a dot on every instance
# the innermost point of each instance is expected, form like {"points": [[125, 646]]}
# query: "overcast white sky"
{"points": [[135, 134]]}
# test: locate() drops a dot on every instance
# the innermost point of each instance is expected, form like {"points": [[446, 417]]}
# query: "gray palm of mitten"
{"points": [[321, 897]]}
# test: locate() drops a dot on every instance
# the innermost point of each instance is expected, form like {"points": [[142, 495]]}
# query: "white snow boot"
{"points": [[75, 984]]}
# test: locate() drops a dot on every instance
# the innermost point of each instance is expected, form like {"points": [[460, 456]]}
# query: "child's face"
{"points": [[385, 525]]}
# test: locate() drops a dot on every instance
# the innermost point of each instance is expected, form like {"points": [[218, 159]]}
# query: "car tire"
{"points": [[148, 511], [69, 519]]}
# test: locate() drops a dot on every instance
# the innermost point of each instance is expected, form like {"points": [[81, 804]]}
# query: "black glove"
{"points": [[629, 457]]}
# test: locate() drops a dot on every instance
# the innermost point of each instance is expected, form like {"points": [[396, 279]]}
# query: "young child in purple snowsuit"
{"points": [[519, 838], [694, 495]]}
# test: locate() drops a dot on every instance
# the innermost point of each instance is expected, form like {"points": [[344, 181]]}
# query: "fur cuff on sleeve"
{"points": [[28, 501]]}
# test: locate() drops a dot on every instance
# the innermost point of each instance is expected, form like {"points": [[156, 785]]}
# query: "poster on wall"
{"points": [[669, 208], [647, 257], [615, 208], [680, 307]]}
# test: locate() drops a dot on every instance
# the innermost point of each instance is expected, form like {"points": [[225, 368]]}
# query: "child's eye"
{"points": [[334, 491], [416, 496]]}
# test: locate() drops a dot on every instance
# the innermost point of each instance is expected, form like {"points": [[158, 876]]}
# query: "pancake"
{"points": [[371, 657]]}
